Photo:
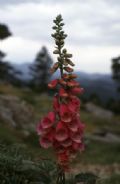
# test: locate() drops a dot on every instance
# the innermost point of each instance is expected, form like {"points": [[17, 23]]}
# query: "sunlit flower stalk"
{"points": [[61, 128]]}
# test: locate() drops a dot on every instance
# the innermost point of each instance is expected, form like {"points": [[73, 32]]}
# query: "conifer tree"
{"points": [[6, 70], [40, 69], [116, 76], [116, 70]]}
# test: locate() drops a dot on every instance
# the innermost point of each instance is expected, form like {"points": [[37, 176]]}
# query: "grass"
{"points": [[99, 153], [96, 123], [114, 179]]}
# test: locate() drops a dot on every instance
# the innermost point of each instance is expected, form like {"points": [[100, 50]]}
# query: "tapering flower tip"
{"points": [[63, 93], [45, 142], [53, 84], [48, 121], [65, 114], [68, 69], [77, 90], [61, 132], [66, 143]]}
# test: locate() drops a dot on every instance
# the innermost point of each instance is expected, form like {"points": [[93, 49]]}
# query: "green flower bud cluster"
{"points": [[64, 58]]}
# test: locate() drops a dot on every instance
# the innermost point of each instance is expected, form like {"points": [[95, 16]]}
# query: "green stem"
{"points": [[61, 176], [61, 64]]}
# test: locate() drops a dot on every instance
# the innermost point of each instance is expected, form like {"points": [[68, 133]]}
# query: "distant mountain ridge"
{"points": [[101, 84]]}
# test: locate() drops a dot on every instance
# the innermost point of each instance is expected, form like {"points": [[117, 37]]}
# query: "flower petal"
{"points": [[53, 84], [63, 93], [61, 132], [66, 143], [45, 142], [48, 121], [76, 137], [65, 114]]}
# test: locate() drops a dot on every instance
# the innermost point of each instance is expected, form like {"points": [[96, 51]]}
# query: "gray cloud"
{"points": [[88, 23]]}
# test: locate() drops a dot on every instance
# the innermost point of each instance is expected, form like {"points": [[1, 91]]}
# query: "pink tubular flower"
{"points": [[66, 143], [63, 93], [61, 128], [74, 104], [72, 83], [45, 142], [41, 130], [73, 125], [53, 84], [76, 137], [77, 90], [65, 114], [48, 121], [61, 132]]}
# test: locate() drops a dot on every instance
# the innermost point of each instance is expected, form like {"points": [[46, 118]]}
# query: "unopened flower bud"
{"points": [[68, 69], [70, 62], [68, 55], [56, 65], [65, 63], [56, 52]]}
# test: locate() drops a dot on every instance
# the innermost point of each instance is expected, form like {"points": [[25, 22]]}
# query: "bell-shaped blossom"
{"points": [[66, 143], [75, 136], [62, 82], [48, 121], [65, 114], [76, 90], [61, 133], [73, 83], [63, 93], [53, 84], [74, 104], [45, 142], [41, 130], [73, 125]]}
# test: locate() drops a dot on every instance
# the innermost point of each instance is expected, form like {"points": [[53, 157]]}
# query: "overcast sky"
{"points": [[93, 28]]}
